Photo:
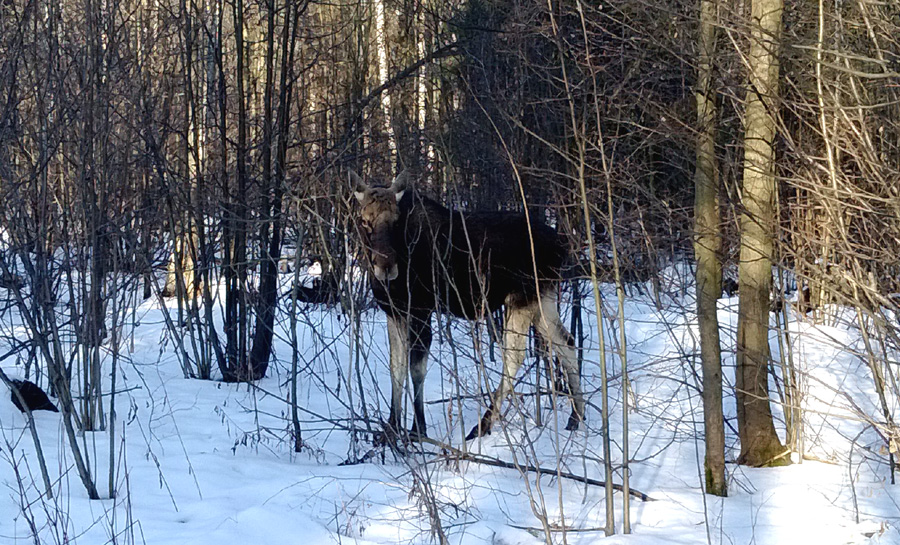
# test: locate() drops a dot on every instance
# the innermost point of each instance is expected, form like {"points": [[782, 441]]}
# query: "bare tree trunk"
{"points": [[707, 246], [760, 445], [268, 270], [272, 225], [381, 52], [295, 351], [610, 527], [223, 359], [236, 221]]}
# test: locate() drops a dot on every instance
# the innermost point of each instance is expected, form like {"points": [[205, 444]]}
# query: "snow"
{"points": [[204, 462]]}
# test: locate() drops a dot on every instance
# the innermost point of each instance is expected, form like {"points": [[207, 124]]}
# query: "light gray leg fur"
{"points": [[515, 343], [560, 342], [398, 336]]}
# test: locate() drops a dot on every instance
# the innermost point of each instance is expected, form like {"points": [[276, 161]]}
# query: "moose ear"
{"points": [[358, 186], [401, 183]]}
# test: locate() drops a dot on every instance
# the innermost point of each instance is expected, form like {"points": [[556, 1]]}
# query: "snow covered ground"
{"points": [[202, 462]]}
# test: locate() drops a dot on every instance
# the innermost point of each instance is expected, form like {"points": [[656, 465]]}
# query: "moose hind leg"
{"points": [[560, 342], [515, 342], [398, 337], [420, 343]]}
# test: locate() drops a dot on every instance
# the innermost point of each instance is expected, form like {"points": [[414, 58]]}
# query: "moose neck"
{"points": [[423, 216]]}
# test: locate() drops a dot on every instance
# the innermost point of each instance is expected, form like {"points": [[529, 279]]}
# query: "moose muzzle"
{"points": [[386, 274]]}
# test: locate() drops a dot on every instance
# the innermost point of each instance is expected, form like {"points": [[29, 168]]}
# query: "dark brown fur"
{"points": [[424, 257], [465, 263]]}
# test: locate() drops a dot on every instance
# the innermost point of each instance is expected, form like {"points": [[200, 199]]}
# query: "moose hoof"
{"points": [[416, 435], [483, 427], [383, 438], [574, 421], [478, 431], [388, 436]]}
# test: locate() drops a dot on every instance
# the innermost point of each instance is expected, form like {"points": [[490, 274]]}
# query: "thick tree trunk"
{"points": [[707, 245], [760, 445]]}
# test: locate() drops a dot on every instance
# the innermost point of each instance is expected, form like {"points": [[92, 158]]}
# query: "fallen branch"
{"points": [[494, 462], [538, 532]]}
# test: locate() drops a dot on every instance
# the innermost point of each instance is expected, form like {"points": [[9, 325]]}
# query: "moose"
{"points": [[423, 257]]}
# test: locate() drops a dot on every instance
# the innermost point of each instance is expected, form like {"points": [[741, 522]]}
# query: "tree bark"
{"points": [[382, 54], [760, 445], [707, 246]]}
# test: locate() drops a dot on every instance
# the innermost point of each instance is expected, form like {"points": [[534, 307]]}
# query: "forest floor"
{"points": [[203, 462]]}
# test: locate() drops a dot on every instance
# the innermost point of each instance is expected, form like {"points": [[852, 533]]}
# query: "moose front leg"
{"points": [[420, 343], [398, 337]]}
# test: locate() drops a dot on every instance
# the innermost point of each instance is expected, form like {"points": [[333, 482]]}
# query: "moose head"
{"points": [[379, 213]]}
